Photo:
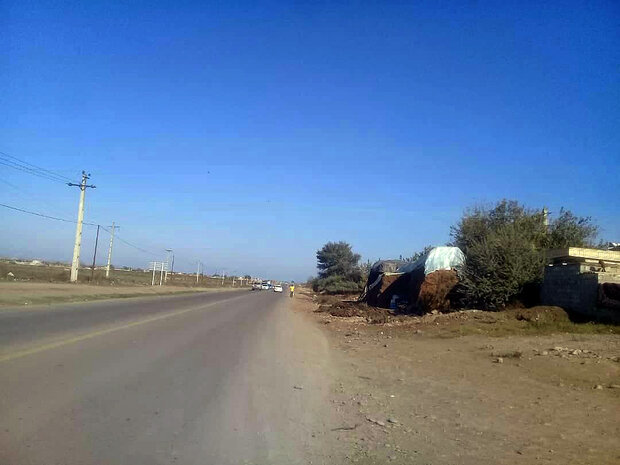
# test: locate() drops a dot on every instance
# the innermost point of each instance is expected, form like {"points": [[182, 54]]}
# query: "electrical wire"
{"points": [[42, 215], [31, 167], [32, 172], [116, 236]]}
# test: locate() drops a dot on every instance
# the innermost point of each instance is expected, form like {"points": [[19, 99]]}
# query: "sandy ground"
{"points": [[27, 293], [407, 395]]}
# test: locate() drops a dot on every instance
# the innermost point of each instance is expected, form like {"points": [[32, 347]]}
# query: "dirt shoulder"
{"points": [[446, 391], [26, 293]]}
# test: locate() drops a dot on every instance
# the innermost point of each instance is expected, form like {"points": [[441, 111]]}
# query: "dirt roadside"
{"points": [[25, 294], [426, 395]]}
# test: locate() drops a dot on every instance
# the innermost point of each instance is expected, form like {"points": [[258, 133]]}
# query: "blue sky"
{"points": [[247, 135]]}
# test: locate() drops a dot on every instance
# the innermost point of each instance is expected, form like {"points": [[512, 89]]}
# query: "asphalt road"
{"points": [[222, 378]]}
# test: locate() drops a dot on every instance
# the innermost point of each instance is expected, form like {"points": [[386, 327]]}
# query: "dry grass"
{"points": [[60, 274]]}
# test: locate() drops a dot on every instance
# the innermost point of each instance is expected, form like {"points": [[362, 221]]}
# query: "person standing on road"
{"points": [[292, 289]]}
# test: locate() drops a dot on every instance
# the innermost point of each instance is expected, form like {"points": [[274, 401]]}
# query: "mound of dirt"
{"points": [[542, 314], [434, 291], [373, 315]]}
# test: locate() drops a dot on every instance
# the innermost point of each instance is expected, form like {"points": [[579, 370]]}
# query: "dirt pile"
{"points": [[542, 314], [435, 290], [347, 309]]}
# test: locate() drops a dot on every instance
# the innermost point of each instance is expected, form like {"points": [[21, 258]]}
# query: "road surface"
{"points": [[222, 378]]}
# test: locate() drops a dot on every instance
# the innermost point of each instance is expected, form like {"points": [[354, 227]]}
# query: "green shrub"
{"points": [[338, 269], [504, 249]]}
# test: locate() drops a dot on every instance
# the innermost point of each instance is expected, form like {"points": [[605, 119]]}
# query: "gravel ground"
{"points": [[424, 393]]}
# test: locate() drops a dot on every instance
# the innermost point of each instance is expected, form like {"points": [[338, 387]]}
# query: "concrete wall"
{"points": [[574, 287]]}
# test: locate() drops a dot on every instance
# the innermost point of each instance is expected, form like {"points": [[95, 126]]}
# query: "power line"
{"points": [[50, 217], [42, 215], [149, 252], [27, 165], [31, 171], [49, 205]]}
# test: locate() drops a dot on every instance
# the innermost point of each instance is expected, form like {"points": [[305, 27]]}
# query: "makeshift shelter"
{"points": [[422, 285]]}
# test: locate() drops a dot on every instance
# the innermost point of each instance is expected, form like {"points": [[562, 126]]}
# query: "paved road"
{"points": [[222, 378]]}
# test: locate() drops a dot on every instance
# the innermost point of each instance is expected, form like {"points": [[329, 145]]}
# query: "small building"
{"points": [[583, 281]]}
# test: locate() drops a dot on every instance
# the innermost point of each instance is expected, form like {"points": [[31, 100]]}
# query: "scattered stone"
{"points": [[394, 421], [614, 386], [298, 387], [376, 422], [576, 352], [498, 360], [598, 386], [10, 275]]}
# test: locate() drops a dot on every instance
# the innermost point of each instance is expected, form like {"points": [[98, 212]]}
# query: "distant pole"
{"points": [[107, 268], [154, 268], [92, 269], [161, 274], [168, 262], [75, 264], [222, 277], [197, 272]]}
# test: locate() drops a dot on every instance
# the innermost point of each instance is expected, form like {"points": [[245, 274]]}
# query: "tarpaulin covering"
{"points": [[439, 258]]}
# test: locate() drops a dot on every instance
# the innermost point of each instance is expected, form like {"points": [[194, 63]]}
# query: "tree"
{"points": [[419, 254], [338, 269], [337, 258], [568, 230], [504, 249]]}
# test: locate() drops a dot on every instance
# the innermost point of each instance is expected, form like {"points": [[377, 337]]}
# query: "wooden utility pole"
{"points": [[107, 268], [75, 263], [92, 268]]}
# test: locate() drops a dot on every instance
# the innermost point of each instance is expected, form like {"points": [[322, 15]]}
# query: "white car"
{"points": [[277, 288]]}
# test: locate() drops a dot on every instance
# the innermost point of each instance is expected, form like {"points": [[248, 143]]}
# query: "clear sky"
{"points": [[246, 135]]}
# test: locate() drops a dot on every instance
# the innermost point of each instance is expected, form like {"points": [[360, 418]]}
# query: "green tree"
{"points": [[568, 230], [504, 249], [338, 269], [420, 253], [337, 259]]}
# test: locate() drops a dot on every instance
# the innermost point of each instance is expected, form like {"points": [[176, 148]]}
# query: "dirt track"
{"points": [[415, 396]]}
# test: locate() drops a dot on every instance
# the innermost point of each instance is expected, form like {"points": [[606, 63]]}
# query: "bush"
{"points": [[504, 249], [338, 269], [337, 285], [498, 267]]}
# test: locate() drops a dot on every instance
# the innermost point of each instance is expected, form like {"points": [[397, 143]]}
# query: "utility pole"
{"points": [[92, 269], [222, 277], [198, 272], [161, 273], [168, 262], [75, 264], [107, 268]]}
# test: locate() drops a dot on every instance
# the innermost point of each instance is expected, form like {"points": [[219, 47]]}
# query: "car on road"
{"points": [[256, 286], [277, 288], [265, 285]]}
